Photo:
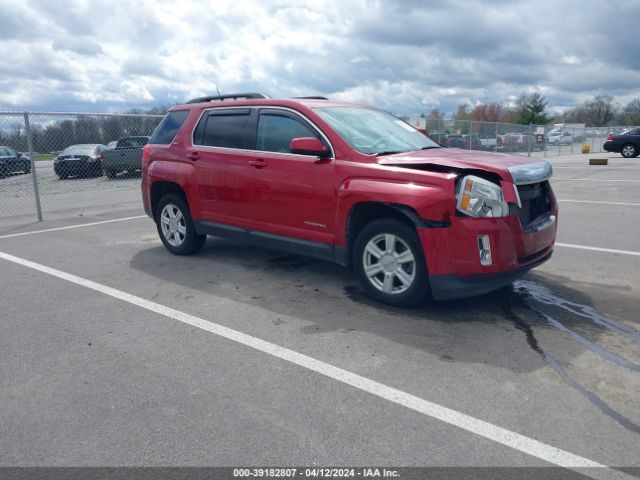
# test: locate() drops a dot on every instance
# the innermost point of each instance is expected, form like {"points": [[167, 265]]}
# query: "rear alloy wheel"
{"points": [[389, 262], [175, 226], [629, 151]]}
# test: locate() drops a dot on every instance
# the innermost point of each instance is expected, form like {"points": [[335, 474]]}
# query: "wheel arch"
{"points": [[161, 188], [363, 213]]}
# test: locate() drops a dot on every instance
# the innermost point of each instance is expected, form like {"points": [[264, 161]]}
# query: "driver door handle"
{"points": [[259, 163], [193, 156]]}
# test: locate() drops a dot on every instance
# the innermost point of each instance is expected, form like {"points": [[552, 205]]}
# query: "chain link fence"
{"points": [[57, 165], [531, 140]]}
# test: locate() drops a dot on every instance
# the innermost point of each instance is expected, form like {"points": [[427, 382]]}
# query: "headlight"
{"points": [[478, 197]]}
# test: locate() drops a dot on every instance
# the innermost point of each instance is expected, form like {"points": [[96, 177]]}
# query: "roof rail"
{"points": [[311, 98], [230, 96]]}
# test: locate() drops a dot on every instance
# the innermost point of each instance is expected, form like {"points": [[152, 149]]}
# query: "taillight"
{"points": [[101, 157], [145, 153], [609, 138]]}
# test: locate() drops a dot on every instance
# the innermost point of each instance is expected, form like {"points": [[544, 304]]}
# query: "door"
{"points": [[291, 195], [220, 156]]}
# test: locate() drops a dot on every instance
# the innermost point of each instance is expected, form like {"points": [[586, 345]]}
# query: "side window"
{"points": [[635, 132], [3, 152], [220, 129], [168, 128], [275, 132]]}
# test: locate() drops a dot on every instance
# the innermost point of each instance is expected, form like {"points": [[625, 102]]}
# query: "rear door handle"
{"points": [[193, 156], [259, 163]]}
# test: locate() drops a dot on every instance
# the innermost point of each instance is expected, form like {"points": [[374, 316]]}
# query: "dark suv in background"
{"points": [[626, 143]]}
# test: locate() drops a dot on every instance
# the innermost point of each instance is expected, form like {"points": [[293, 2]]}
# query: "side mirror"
{"points": [[309, 146]]}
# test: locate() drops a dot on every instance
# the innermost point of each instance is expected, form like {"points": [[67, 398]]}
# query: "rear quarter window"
{"points": [[168, 128]]}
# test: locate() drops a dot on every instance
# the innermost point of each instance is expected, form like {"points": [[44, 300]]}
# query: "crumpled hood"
{"points": [[456, 158]]}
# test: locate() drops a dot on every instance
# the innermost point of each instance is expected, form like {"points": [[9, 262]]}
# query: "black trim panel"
{"points": [[297, 246], [448, 287]]}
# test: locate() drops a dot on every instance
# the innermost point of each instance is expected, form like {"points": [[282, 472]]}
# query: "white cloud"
{"points": [[404, 55]]}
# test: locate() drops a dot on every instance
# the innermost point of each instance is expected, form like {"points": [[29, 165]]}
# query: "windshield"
{"points": [[79, 150], [374, 131]]}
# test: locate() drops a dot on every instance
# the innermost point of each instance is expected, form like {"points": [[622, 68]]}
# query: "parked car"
{"points": [[111, 145], [455, 141], [440, 138], [79, 160], [556, 137], [488, 141], [626, 143], [125, 157], [472, 142], [349, 184], [522, 142], [12, 161]]}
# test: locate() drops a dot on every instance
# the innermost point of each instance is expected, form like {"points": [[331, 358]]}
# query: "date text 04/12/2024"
{"points": [[315, 472]]}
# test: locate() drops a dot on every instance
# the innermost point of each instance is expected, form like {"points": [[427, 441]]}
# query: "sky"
{"points": [[407, 56]]}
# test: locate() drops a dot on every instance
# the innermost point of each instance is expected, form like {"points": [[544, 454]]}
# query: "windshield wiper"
{"points": [[429, 148], [389, 152]]}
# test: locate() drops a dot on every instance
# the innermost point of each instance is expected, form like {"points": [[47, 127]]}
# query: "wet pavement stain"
{"points": [[520, 299], [542, 294]]}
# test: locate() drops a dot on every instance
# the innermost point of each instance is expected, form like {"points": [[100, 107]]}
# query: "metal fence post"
{"points": [[470, 132], [529, 142], [573, 138], [497, 133], [34, 175]]}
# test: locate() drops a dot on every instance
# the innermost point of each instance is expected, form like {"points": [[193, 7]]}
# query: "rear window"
{"points": [[133, 142], [168, 128], [80, 150]]}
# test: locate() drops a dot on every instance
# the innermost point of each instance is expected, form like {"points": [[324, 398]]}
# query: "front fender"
{"points": [[434, 201]]}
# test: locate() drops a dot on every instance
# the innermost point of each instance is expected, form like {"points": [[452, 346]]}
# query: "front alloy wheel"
{"points": [[389, 262]]}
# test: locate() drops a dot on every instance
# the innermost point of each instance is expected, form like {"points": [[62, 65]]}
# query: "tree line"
{"points": [[51, 133], [599, 111]]}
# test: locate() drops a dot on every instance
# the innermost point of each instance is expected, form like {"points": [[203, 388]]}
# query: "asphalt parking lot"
{"points": [[114, 352]]}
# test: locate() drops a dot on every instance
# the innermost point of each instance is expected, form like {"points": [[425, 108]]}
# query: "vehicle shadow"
{"points": [[464, 330]]}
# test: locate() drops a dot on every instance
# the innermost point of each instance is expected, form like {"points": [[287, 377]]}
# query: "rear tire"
{"points": [[110, 174], [389, 262], [175, 226], [629, 150]]}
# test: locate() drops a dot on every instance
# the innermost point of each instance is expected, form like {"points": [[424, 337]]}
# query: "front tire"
{"points": [[629, 151], [175, 226], [389, 262]]}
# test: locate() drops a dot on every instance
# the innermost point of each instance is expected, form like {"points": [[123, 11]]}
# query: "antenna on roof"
{"points": [[218, 90]]}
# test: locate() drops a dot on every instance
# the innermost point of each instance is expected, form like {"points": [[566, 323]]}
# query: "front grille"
{"points": [[536, 202]]}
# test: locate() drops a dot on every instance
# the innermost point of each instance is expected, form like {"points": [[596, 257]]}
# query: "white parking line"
{"points": [[12, 235], [466, 422], [592, 180], [598, 249], [600, 203]]}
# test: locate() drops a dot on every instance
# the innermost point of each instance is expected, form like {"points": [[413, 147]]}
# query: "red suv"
{"points": [[350, 184]]}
